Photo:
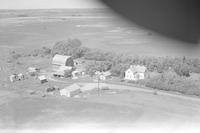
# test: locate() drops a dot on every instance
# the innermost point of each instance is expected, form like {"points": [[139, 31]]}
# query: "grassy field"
{"points": [[123, 108], [96, 29]]}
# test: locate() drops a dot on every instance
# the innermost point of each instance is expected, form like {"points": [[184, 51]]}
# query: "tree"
{"points": [[182, 70], [80, 52], [66, 47]]}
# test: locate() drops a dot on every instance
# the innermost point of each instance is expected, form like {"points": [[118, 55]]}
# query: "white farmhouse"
{"points": [[135, 72]]}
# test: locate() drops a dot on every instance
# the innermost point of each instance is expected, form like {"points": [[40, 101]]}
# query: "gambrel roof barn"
{"points": [[62, 60]]}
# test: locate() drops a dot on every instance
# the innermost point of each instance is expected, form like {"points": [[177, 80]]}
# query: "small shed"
{"points": [[105, 75], [33, 71], [13, 77], [70, 91], [62, 60], [42, 79], [20, 76], [78, 73]]}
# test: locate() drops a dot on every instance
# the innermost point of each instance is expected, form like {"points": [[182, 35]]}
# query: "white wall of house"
{"points": [[129, 75], [139, 76]]}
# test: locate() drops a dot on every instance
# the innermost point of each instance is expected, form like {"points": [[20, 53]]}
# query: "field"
{"points": [[95, 28], [126, 106]]}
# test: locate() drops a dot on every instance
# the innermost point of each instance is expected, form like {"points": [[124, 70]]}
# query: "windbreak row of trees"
{"points": [[117, 63]]}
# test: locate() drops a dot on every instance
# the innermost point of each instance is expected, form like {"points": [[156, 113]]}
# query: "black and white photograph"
{"points": [[99, 66]]}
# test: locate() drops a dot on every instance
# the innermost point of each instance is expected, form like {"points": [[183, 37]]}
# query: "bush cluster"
{"points": [[170, 81]]}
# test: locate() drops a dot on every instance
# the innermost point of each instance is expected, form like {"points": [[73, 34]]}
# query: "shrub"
{"points": [[80, 52], [44, 51], [170, 81], [92, 67], [182, 70]]}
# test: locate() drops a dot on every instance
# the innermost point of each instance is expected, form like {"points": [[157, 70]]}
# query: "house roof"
{"points": [[137, 69], [60, 59]]}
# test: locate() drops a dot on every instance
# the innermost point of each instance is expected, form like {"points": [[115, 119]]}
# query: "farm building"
{"points": [[78, 73], [62, 60], [33, 71], [135, 72], [61, 70], [42, 79], [79, 62], [13, 77], [103, 75], [70, 91]]}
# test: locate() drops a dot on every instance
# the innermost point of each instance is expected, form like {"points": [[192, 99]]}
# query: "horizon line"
{"points": [[53, 8]]}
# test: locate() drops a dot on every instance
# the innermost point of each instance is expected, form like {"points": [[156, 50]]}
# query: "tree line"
{"points": [[117, 63]]}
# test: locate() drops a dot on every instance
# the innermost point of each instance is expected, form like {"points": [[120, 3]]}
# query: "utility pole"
{"points": [[98, 85]]}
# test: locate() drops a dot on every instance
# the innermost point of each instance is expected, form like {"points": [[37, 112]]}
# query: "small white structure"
{"points": [[42, 79], [33, 71], [78, 73], [135, 72], [103, 75], [70, 91], [62, 60], [79, 62], [20, 76], [13, 78]]}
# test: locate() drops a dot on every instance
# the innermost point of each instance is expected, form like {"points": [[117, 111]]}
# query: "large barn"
{"points": [[62, 60]]}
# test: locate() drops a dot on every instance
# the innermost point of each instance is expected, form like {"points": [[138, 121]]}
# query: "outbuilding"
{"points": [[70, 91], [13, 77], [33, 71], [42, 79], [20, 76], [60, 71]]}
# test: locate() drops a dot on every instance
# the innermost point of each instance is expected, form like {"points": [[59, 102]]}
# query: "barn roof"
{"points": [[60, 59]]}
